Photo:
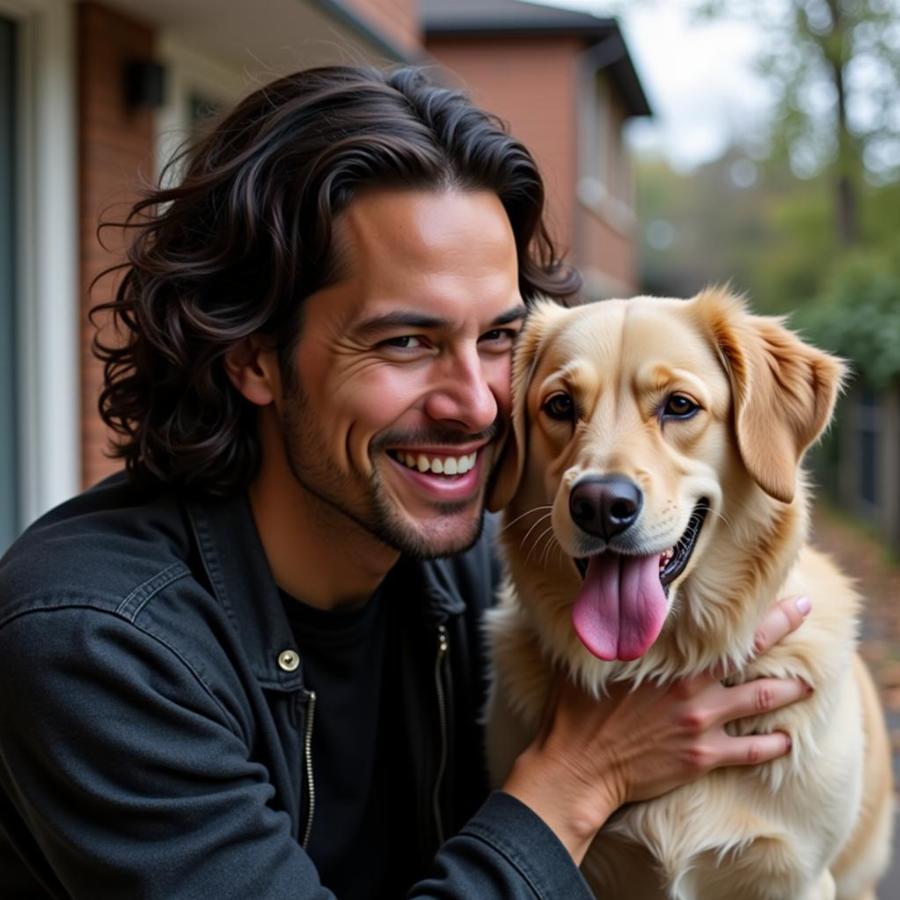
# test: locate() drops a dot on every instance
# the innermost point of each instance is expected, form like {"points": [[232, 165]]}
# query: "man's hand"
{"points": [[637, 743]]}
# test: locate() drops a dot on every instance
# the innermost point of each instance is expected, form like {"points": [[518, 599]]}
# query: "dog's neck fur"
{"points": [[714, 611]]}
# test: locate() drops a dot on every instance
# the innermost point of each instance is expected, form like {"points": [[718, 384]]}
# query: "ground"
{"points": [[861, 555]]}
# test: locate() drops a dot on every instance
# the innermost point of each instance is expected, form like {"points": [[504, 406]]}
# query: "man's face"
{"points": [[400, 389]]}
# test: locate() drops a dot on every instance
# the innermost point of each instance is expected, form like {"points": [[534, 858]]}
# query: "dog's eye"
{"points": [[680, 407], [560, 407]]}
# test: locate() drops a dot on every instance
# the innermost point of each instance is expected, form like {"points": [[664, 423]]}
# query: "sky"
{"points": [[698, 78]]}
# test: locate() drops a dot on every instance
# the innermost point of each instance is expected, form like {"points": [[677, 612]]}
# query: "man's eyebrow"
{"points": [[398, 319], [511, 315], [416, 320]]}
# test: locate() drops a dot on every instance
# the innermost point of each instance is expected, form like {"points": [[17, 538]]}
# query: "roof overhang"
{"points": [[605, 47], [270, 33]]}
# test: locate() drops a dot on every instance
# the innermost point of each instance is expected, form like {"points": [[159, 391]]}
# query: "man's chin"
{"points": [[442, 536]]}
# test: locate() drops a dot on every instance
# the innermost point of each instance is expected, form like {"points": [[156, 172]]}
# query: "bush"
{"points": [[857, 315]]}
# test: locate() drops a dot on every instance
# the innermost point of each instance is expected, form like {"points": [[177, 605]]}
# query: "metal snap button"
{"points": [[288, 660]]}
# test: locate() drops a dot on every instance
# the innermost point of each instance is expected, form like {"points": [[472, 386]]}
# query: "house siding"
{"points": [[397, 20]]}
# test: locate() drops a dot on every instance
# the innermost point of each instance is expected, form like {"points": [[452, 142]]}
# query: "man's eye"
{"points": [[678, 406], [404, 342], [500, 335], [560, 407]]}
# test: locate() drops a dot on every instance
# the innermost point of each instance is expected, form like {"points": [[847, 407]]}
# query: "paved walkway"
{"points": [[866, 559]]}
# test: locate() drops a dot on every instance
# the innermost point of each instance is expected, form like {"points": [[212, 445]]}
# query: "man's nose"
{"points": [[462, 394]]}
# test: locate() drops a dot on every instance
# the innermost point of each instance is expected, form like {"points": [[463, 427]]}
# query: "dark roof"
{"points": [[460, 16], [602, 36]]}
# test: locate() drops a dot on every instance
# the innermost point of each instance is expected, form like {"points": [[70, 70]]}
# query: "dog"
{"points": [[654, 507]]}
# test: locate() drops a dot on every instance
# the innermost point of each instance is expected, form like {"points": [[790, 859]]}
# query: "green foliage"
{"points": [[770, 238], [773, 241], [858, 313], [834, 66]]}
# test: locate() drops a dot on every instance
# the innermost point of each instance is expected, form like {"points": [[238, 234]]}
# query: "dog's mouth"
{"points": [[622, 604], [672, 562]]}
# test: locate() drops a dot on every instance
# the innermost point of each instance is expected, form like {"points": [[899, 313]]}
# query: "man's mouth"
{"points": [[447, 465], [621, 606]]}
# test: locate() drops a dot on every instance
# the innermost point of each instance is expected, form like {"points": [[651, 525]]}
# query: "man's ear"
{"points": [[783, 390], [252, 367], [508, 471]]}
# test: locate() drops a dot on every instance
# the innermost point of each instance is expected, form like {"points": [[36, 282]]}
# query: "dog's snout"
{"points": [[605, 505]]}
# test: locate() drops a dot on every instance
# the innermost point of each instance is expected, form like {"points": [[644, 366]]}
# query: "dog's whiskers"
{"points": [[540, 521], [537, 541], [545, 556], [526, 513]]}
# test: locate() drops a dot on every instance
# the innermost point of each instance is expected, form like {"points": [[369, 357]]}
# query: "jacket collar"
{"points": [[239, 574]]}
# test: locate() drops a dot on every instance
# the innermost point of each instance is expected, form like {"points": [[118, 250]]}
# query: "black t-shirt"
{"points": [[361, 792]]}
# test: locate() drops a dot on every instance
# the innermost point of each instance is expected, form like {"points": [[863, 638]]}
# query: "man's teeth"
{"points": [[440, 465]]}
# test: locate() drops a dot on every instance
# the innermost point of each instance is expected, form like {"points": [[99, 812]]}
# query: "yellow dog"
{"points": [[654, 507]]}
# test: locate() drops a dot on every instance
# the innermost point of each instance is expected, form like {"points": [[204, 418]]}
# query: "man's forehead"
{"points": [[423, 228]]}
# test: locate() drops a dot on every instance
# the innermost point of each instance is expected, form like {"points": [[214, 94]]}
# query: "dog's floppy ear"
{"points": [[508, 470], [783, 390]]}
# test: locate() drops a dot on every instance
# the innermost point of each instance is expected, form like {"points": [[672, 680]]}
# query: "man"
{"points": [[252, 667]]}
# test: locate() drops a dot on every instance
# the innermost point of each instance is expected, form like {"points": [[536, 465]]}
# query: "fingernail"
{"points": [[803, 605]]}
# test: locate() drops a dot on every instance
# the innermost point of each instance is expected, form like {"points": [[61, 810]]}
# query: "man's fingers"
{"points": [[761, 696], [780, 620], [751, 749]]}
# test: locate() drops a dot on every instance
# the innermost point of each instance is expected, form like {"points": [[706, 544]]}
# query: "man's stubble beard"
{"points": [[304, 446]]}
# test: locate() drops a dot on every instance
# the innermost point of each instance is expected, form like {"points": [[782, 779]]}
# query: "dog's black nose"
{"points": [[605, 506]]}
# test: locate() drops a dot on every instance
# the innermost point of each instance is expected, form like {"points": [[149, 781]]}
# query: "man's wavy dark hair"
{"points": [[246, 236]]}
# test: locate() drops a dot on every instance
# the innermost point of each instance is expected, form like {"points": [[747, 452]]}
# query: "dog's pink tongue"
{"points": [[621, 607]]}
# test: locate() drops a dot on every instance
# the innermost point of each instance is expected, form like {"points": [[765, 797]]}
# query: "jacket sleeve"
{"points": [[128, 775], [505, 851], [129, 778]]}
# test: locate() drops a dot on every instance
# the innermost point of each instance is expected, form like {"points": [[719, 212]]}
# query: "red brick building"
{"points": [[565, 84], [81, 125]]}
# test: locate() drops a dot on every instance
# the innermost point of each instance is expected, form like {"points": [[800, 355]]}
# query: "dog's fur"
{"points": [[814, 825]]}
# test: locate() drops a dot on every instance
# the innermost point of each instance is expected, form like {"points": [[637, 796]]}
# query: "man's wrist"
{"points": [[574, 811]]}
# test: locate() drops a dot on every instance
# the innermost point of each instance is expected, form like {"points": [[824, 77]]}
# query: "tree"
{"points": [[835, 68]]}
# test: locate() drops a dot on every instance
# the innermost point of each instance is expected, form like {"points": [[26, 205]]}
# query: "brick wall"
{"points": [[398, 20], [531, 84], [115, 145]]}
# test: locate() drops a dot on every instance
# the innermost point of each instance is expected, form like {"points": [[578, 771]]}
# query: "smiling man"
{"points": [[250, 666], [384, 426]]}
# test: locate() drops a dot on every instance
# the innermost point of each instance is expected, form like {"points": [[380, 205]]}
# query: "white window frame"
{"points": [[47, 311]]}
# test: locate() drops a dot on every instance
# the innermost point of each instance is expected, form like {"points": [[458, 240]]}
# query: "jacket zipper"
{"points": [[307, 759], [443, 648]]}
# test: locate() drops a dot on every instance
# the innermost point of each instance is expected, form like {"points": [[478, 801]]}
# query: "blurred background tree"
{"points": [[806, 217]]}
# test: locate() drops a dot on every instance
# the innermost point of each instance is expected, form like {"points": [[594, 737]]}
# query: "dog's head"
{"points": [[636, 423]]}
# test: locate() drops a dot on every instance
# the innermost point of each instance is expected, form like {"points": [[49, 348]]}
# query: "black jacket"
{"points": [[153, 716]]}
